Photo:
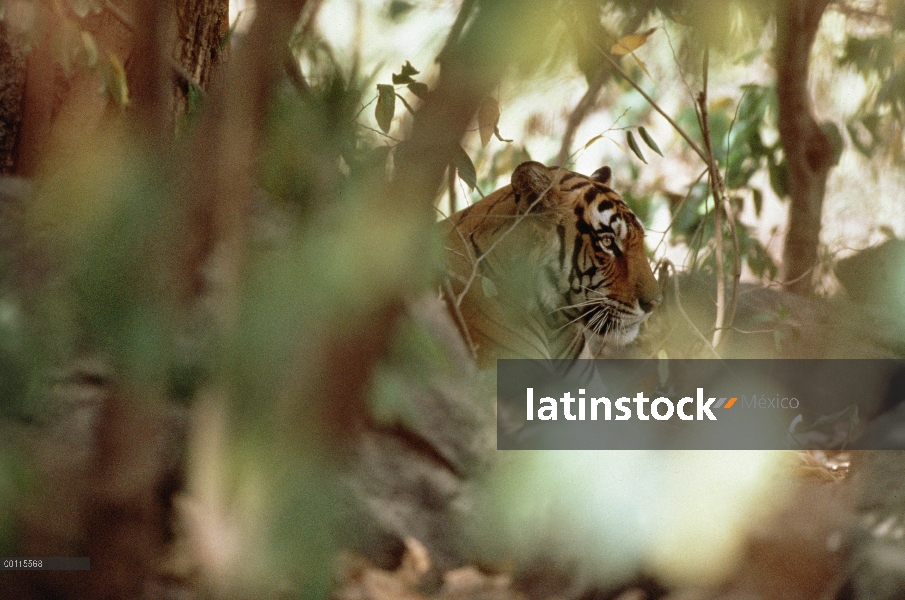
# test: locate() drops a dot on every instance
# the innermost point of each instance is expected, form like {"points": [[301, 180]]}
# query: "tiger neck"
{"points": [[524, 328]]}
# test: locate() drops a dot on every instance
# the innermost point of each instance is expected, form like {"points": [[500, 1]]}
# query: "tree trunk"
{"points": [[809, 151], [12, 88], [113, 503]]}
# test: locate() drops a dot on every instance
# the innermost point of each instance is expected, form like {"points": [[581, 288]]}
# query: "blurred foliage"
{"points": [[877, 125], [328, 249]]}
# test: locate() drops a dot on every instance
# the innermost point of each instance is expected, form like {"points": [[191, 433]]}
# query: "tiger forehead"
{"points": [[589, 188], [601, 207]]}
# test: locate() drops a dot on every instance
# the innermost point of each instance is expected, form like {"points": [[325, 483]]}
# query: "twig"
{"points": [[717, 185], [675, 58], [753, 331], [458, 26], [653, 103], [588, 101], [569, 160], [502, 236], [695, 248], [386, 135], [694, 327], [729, 134], [675, 217], [364, 106], [717, 206], [460, 319], [725, 313]]}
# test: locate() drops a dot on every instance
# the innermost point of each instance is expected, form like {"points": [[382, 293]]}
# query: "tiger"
{"points": [[551, 266]]}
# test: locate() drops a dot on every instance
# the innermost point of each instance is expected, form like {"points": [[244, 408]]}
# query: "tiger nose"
{"points": [[649, 303]]}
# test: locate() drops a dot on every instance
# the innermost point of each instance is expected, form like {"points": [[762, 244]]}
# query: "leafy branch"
{"points": [[488, 116], [725, 311], [724, 314]]}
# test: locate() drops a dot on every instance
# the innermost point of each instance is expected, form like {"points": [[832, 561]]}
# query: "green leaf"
{"points": [[466, 169], [386, 106], [758, 197], [591, 141], [634, 146], [856, 136], [405, 74], [418, 88], [489, 287], [779, 178], [398, 9], [649, 140]]}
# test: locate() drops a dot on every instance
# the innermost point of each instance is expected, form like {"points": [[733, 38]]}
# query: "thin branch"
{"points": [[460, 319], [725, 313], [571, 158], [653, 103], [681, 308], [588, 101], [502, 236], [675, 58], [738, 107], [364, 106], [694, 249], [717, 206], [377, 131], [464, 15], [678, 211]]}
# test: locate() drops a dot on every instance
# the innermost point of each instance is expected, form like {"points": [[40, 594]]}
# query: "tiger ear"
{"points": [[603, 175], [531, 179]]}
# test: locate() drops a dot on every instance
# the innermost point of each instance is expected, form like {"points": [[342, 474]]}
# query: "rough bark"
{"points": [[202, 25], [12, 88], [809, 151], [58, 111]]}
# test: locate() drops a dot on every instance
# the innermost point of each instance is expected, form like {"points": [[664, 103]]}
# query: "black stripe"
{"points": [[474, 245], [605, 205], [574, 187], [569, 177]]}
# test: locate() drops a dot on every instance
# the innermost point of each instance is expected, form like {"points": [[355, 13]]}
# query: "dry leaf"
{"points": [[630, 43]]}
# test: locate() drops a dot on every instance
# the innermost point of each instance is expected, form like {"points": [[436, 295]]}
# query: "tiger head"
{"points": [[549, 266]]}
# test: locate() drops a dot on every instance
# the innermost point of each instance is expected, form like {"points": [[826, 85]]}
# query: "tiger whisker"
{"points": [[581, 316], [577, 305]]}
